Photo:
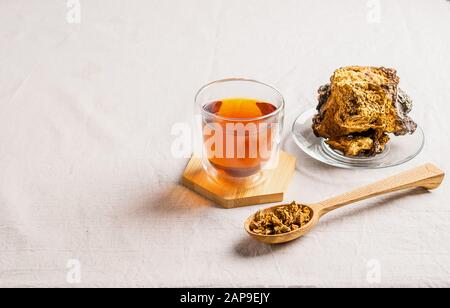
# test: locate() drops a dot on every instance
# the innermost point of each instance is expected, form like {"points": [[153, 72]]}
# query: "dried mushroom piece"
{"points": [[359, 108], [283, 219]]}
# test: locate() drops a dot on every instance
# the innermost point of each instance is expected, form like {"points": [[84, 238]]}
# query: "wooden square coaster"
{"points": [[230, 196]]}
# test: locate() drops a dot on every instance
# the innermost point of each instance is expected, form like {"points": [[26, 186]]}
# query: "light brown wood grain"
{"points": [[230, 195], [427, 176]]}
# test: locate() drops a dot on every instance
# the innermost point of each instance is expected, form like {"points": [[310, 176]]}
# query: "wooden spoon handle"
{"points": [[427, 176]]}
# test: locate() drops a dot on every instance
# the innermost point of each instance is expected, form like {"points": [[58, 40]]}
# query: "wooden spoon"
{"points": [[427, 176]]}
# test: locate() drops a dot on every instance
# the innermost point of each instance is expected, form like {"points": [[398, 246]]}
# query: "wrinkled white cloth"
{"points": [[89, 188]]}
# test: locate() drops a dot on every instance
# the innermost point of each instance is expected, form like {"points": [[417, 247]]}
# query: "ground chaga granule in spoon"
{"points": [[282, 219]]}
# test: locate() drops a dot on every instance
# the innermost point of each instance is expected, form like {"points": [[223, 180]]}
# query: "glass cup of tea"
{"points": [[241, 129]]}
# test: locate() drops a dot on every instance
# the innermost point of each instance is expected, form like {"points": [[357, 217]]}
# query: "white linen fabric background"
{"points": [[88, 181]]}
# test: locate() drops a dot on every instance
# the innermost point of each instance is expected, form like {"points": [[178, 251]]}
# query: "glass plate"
{"points": [[398, 150]]}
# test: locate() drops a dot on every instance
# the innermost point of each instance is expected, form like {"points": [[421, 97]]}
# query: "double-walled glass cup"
{"points": [[241, 128]]}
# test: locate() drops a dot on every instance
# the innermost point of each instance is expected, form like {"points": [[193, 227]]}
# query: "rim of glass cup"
{"points": [[205, 112]]}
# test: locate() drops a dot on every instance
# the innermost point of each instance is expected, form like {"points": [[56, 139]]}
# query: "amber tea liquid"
{"points": [[253, 147]]}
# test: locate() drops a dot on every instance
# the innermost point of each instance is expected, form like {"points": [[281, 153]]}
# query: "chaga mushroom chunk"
{"points": [[359, 108]]}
